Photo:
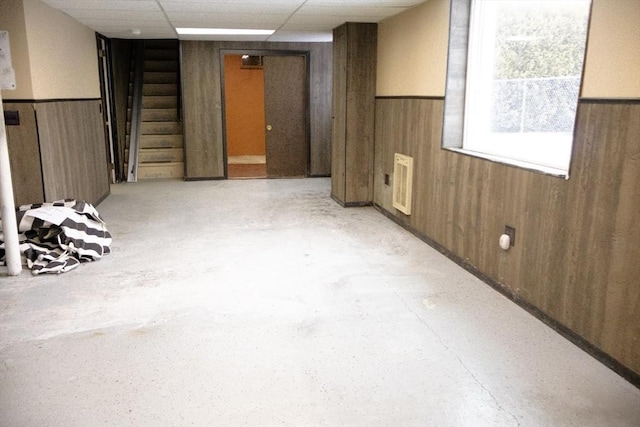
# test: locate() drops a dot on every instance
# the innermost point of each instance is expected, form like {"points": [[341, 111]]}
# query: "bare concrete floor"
{"points": [[264, 303]]}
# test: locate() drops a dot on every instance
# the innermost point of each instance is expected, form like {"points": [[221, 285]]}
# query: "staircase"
{"points": [[160, 151]]}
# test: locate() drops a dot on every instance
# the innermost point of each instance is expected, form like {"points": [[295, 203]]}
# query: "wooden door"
{"points": [[285, 84]]}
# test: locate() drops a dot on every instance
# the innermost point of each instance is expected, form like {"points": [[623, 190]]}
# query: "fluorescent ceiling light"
{"points": [[223, 31]]}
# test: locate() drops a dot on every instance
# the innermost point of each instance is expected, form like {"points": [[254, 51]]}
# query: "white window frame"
{"points": [[466, 127]]}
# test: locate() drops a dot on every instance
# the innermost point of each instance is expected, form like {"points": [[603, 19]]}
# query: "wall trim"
{"points": [[580, 100], [609, 101], [205, 178], [351, 204], [42, 101], [435, 98], [604, 358]]}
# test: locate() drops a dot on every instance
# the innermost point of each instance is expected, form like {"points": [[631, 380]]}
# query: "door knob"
{"points": [[269, 127]]}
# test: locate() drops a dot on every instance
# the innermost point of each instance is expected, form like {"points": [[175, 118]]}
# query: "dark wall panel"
{"points": [[24, 155], [320, 109], [355, 49], [577, 240], [339, 130], [202, 110], [73, 151]]}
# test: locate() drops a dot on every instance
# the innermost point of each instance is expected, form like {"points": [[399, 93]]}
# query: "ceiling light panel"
{"points": [[224, 31], [248, 38]]}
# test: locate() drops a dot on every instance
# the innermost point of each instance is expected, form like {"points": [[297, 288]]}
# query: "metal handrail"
{"points": [[136, 113]]}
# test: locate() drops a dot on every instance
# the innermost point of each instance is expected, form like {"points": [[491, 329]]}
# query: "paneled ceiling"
{"points": [[292, 20]]}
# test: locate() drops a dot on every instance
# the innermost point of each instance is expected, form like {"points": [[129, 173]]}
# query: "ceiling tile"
{"points": [[255, 8], [364, 3], [139, 5], [118, 15], [180, 19], [378, 12], [301, 36], [306, 19]]}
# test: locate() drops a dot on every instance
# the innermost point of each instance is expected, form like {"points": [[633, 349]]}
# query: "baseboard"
{"points": [[204, 178], [604, 358], [350, 204]]}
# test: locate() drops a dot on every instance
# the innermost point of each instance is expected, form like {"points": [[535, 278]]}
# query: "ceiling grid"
{"points": [[292, 20]]}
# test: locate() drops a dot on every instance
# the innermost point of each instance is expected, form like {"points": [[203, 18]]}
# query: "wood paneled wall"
{"points": [[73, 150], [354, 71], [24, 155], [58, 151], [577, 240], [202, 104]]}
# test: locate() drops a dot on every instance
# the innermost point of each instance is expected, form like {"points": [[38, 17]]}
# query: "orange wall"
{"points": [[244, 108]]}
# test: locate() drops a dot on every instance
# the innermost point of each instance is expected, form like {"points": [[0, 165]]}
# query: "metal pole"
{"points": [[8, 209]]}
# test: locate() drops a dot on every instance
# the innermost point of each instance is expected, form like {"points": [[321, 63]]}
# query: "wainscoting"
{"points": [[58, 151], [575, 261], [24, 155]]}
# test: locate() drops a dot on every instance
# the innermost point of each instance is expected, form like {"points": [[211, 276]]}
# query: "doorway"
{"points": [[266, 114]]}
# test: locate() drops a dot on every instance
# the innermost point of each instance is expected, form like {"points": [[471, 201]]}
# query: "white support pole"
{"points": [[8, 209]]}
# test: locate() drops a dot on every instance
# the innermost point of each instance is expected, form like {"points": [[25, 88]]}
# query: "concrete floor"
{"points": [[264, 303]]}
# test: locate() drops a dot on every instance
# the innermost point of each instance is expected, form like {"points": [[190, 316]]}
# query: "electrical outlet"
{"points": [[511, 232], [11, 118], [386, 179]]}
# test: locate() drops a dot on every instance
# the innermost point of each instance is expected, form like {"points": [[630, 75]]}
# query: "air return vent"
{"points": [[402, 182]]}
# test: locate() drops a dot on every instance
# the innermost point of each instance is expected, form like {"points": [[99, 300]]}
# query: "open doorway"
{"points": [[245, 116], [266, 114]]}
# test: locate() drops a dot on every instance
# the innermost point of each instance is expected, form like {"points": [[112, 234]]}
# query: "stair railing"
{"points": [[136, 113]]}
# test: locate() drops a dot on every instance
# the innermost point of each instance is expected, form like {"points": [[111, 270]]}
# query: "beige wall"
{"points": [[63, 54], [54, 56], [613, 52], [412, 51], [12, 20]]}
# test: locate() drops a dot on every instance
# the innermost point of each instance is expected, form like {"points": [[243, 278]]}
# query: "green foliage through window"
{"points": [[545, 39]]}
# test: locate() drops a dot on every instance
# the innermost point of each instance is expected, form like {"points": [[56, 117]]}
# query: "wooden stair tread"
{"points": [[160, 65], [160, 89], [160, 155], [161, 128], [159, 101], [160, 77], [161, 170], [161, 141], [159, 114]]}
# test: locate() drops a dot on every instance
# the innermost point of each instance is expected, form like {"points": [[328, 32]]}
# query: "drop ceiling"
{"points": [[292, 20]]}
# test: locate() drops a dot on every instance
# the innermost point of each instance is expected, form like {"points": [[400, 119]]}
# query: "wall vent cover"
{"points": [[402, 182]]}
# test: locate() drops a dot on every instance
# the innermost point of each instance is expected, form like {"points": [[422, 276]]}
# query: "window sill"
{"points": [[546, 170]]}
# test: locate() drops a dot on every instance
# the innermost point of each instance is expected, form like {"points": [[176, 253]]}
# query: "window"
{"points": [[523, 72]]}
